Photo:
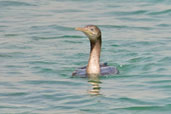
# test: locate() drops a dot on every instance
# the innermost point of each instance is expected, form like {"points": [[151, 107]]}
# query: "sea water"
{"points": [[39, 50]]}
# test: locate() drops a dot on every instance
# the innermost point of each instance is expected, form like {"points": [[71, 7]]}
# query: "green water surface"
{"points": [[39, 50]]}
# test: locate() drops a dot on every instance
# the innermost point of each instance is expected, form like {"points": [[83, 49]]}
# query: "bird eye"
{"points": [[92, 29]]}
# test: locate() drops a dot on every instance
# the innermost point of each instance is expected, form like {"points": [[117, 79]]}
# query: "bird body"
{"points": [[94, 67], [104, 70]]}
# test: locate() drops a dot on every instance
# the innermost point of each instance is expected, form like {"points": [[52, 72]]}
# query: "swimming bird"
{"points": [[94, 67]]}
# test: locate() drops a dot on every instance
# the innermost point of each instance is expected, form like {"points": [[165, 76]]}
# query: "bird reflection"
{"points": [[94, 81]]}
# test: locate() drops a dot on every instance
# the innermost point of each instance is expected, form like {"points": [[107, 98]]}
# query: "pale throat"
{"points": [[93, 66]]}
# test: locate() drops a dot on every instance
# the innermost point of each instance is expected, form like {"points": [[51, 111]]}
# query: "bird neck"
{"points": [[93, 66]]}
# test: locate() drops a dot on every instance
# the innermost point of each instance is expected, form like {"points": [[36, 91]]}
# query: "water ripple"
{"points": [[125, 27], [144, 108], [137, 12], [15, 3], [39, 50], [168, 11]]}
